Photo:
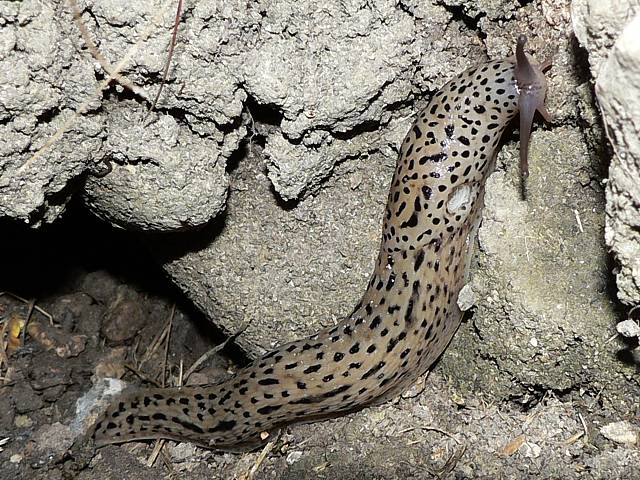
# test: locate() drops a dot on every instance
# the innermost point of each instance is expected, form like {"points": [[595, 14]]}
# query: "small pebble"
{"points": [[466, 298], [124, 318], [293, 457], [620, 432], [22, 421], [628, 328], [531, 450], [182, 452]]}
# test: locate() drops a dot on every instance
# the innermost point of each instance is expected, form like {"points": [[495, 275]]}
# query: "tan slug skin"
{"points": [[407, 315]]}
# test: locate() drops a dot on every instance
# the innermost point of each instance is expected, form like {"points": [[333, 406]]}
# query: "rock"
{"points": [[92, 404], [466, 298], [609, 30], [112, 364], [8, 413], [182, 452], [77, 313], [25, 399], [57, 130], [621, 432], [530, 450], [628, 328], [124, 317], [60, 341], [44, 376], [43, 83], [300, 231], [22, 421], [99, 285], [53, 439], [293, 457], [163, 178]]}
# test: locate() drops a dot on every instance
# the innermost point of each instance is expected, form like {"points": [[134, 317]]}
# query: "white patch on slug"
{"points": [[459, 198]]}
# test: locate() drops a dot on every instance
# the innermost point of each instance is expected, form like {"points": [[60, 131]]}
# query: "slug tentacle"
{"points": [[532, 87], [408, 313]]}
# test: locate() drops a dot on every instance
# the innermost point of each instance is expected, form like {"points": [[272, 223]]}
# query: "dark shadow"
{"points": [[49, 261]]}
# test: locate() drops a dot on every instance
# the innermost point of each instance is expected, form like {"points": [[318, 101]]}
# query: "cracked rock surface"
{"points": [[610, 31], [59, 124]]}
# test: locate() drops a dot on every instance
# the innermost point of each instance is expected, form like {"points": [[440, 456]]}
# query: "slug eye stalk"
{"points": [[532, 87]]}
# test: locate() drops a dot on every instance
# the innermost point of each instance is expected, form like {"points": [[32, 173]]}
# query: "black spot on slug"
{"points": [[268, 381], [223, 426], [268, 409], [312, 369], [419, 259], [188, 425], [438, 157], [336, 391]]}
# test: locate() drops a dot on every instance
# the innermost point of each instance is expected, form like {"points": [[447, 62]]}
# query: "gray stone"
{"points": [[610, 31]]}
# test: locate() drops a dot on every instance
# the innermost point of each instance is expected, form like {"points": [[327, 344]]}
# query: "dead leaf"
{"points": [[512, 447], [61, 342], [15, 324]]}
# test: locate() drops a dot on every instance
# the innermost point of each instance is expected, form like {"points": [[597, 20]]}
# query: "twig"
{"points": [[584, 433], [574, 438], [91, 46], [455, 456], [83, 108], [137, 372], [172, 45], [211, 352], [166, 346], [166, 335], [167, 463], [32, 304], [4, 358], [155, 343], [134, 353], [584, 424], [263, 454], [157, 448], [443, 432], [577, 215], [452, 461], [35, 307]]}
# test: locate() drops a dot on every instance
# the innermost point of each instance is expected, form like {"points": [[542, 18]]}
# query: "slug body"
{"points": [[407, 315]]}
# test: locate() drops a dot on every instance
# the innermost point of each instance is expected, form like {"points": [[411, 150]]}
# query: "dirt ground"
{"points": [[110, 312]]}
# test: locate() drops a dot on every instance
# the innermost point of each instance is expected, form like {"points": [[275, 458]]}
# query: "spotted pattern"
{"points": [[407, 315]]}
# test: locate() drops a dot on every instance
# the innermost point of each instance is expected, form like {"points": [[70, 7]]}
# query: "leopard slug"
{"points": [[407, 315]]}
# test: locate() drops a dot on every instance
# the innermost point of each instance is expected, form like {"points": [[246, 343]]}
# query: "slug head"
{"points": [[532, 88]]}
